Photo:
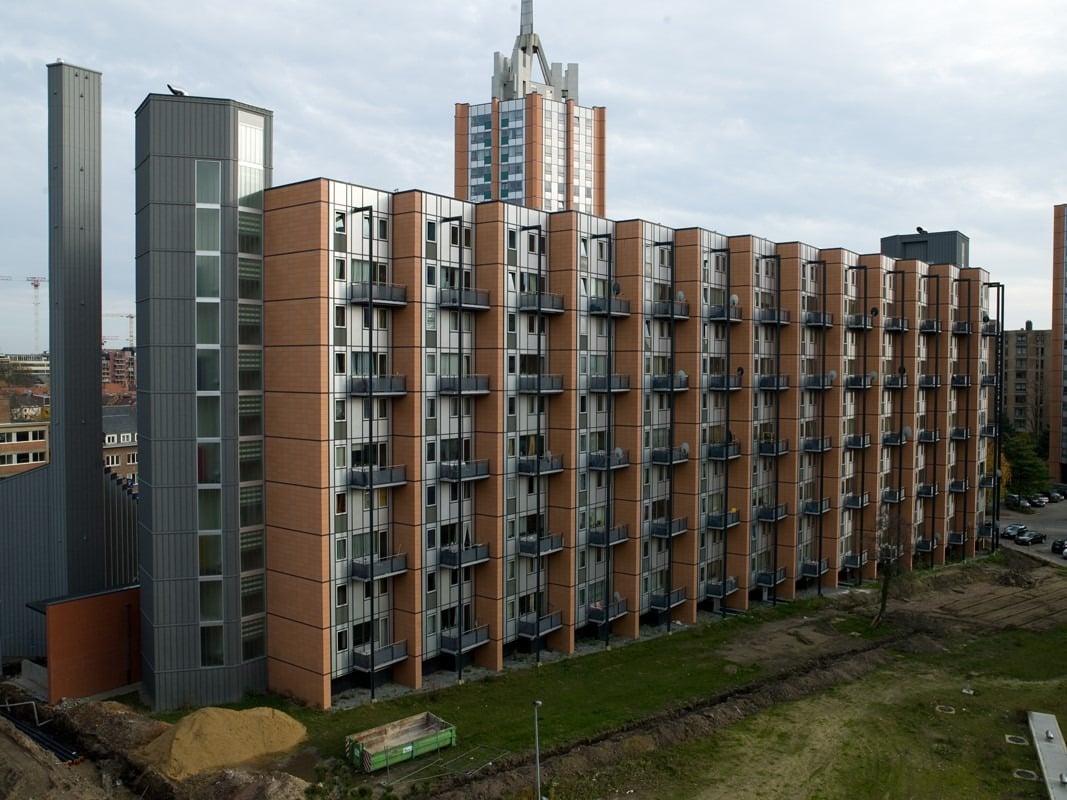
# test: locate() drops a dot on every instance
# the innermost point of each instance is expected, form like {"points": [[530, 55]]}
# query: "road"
{"points": [[1050, 520]]}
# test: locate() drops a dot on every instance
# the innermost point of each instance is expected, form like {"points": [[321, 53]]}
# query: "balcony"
{"points": [[959, 434], [961, 328], [772, 316], [668, 528], [857, 441], [601, 459], [679, 382], [818, 319], [598, 615], [548, 465], [930, 435], [773, 383], [989, 380], [813, 569], [717, 590], [602, 537], [988, 431], [895, 325], [467, 385], [958, 486], [378, 385], [769, 578], [378, 477], [772, 513], [987, 481], [660, 601], [854, 382], [606, 384], [929, 326], [818, 444], [541, 301], [857, 500], [929, 381], [893, 496], [383, 294], [722, 451], [670, 309], [670, 455], [926, 545], [818, 383], [721, 313], [892, 439], [609, 307], [532, 546], [455, 645], [530, 627], [957, 538], [858, 322], [451, 557], [854, 560], [815, 508], [469, 299], [773, 449], [894, 380], [462, 471], [721, 383], [928, 490], [961, 381], [384, 657], [721, 522], [991, 328], [382, 567], [540, 384]]}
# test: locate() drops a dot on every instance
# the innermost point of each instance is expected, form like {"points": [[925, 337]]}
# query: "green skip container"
{"points": [[398, 741]]}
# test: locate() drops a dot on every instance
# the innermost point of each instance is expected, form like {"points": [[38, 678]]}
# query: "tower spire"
{"points": [[526, 19], [528, 70]]}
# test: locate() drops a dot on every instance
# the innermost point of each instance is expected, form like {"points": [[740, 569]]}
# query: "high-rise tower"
{"points": [[532, 144]]}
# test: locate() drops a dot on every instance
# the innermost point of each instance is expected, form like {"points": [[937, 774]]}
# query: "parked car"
{"points": [[1029, 538], [1059, 545], [1011, 531], [1054, 496], [1016, 501], [1038, 501]]}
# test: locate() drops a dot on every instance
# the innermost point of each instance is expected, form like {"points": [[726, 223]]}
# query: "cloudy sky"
{"points": [[829, 122]]}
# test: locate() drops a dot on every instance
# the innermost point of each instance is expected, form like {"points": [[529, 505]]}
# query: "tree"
{"points": [[892, 529], [1029, 472]]}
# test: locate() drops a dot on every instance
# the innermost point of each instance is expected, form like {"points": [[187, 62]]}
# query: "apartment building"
{"points": [[492, 429], [532, 144], [23, 446], [1027, 354], [120, 443], [119, 367]]}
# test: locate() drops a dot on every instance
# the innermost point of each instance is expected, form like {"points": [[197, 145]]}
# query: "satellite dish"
{"points": [[685, 448], [682, 375], [615, 288], [618, 453], [734, 300], [680, 297], [833, 374]]}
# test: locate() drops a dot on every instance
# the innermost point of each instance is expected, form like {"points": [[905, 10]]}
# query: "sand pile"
{"points": [[212, 738]]}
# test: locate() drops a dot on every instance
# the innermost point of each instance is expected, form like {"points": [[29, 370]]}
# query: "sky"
{"points": [[830, 122]]}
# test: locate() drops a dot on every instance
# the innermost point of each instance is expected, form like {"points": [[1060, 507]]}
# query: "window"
{"points": [[110, 439], [342, 596], [131, 458], [340, 503], [111, 461], [342, 640], [339, 363], [431, 231]]}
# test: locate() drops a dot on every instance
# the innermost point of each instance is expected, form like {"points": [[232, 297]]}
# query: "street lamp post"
{"points": [[998, 409], [537, 747]]}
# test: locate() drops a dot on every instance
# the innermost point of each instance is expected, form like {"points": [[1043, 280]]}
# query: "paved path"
{"points": [[1051, 752]]}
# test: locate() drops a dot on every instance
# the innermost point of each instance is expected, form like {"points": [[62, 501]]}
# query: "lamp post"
{"points": [[967, 404], [998, 409], [866, 321], [823, 398], [537, 747], [937, 390], [672, 309], [609, 442], [902, 372]]}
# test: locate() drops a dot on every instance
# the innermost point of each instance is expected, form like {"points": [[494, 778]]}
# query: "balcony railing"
{"points": [[720, 313], [459, 471], [666, 528], [720, 522], [959, 434], [819, 319], [602, 459], [383, 657], [543, 384], [597, 614], [892, 439], [961, 327], [549, 464], [678, 382], [670, 455], [384, 567], [929, 381], [532, 547], [816, 507], [383, 385], [958, 486], [454, 558], [468, 384], [894, 380], [989, 380], [957, 538], [717, 590], [470, 299], [928, 490], [722, 451], [722, 383], [660, 601], [602, 384], [772, 316], [961, 381], [893, 496], [895, 324], [923, 545], [549, 303], [775, 448], [768, 578], [858, 381], [857, 441], [453, 644], [987, 480], [989, 431], [818, 382], [858, 322], [602, 537], [854, 560], [774, 383], [929, 326], [813, 569], [990, 328], [772, 513], [670, 309], [384, 294], [609, 307], [530, 627], [818, 444], [929, 435], [857, 500], [378, 477]]}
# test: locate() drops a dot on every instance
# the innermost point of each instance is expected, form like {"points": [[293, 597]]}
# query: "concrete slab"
{"points": [[1051, 752]]}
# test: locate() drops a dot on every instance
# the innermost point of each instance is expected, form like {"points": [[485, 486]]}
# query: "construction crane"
{"points": [[130, 317], [36, 280]]}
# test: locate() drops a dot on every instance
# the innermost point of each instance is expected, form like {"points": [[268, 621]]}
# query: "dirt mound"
{"points": [[108, 727], [212, 738], [245, 784]]}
